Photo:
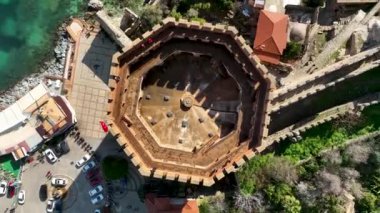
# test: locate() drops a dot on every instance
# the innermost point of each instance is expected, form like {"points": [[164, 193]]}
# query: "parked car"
{"points": [[43, 192], [58, 206], [50, 205], [97, 199], [90, 165], [3, 187], [50, 155], [11, 189], [104, 126], [62, 148], [96, 190], [96, 181], [92, 173], [59, 181], [97, 211], [82, 161], [21, 197]]}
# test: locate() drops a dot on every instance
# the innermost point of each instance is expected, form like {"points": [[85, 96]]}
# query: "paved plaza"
{"points": [[89, 93]]}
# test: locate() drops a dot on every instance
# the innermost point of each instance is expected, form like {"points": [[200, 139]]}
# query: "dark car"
{"points": [[92, 173], [62, 148], [96, 181], [43, 192], [11, 190]]}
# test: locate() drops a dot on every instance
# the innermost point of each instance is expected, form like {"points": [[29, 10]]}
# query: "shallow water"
{"points": [[27, 32]]}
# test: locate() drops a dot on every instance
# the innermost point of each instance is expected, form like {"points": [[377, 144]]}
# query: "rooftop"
{"points": [[170, 205], [271, 36], [43, 116]]}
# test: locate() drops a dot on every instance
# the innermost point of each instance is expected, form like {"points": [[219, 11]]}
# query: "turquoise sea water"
{"points": [[27, 32]]}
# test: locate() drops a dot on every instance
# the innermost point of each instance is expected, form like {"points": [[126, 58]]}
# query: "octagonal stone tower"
{"points": [[189, 101]]}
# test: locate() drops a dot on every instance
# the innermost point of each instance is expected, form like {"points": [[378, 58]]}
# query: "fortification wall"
{"points": [[233, 159]]}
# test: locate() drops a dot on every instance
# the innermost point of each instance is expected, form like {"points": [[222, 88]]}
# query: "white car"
{"points": [[96, 190], [58, 181], [50, 155], [21, 197], [97, 199], [97, 211], [3, 187], [89, 166], [50, 205], [82, 161]]}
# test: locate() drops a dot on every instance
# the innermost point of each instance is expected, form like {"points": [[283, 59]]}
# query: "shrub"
{"points": [[117, 6], [349, 121], [192, 13], [249, 203], [176, 15], [200, 20], [204, 207], [213, 204], [349, 173], [263, 169], [293, 50], [281, 196], [246, 175], [151, 15], [329, 183], [308, 170], [217, 202], [280, 169], [368, 203], [201, 6], [375, 185], [291, 204], [331, 204], [358, 153], [332, 158]]}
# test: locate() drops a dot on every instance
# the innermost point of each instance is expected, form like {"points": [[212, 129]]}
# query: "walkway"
{"points": [[333, 45], [325, 116], [89, 93]]}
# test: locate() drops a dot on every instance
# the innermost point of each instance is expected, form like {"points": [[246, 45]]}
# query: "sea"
{"points": [[27, 33]]}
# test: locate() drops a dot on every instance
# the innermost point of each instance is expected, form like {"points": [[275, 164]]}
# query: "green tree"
{"points": [[246, 175], [291, 204], [331, 204], [368, 203], [282, 198], [192, 13], [293, 50], [204, 207], [151, 15]]}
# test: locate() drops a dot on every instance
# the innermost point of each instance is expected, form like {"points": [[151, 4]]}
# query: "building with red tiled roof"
{"points": [[271, 36], [170, 205]]}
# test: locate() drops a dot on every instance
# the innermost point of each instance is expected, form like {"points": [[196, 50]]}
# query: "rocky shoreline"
{"points": [[54, 68]]}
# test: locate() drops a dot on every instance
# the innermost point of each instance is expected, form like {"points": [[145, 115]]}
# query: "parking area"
{"points": [[122, 194], [34, 175]]}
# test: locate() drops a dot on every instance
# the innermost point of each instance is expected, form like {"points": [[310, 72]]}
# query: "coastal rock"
{"points": [[95, 4], [53, 67]]}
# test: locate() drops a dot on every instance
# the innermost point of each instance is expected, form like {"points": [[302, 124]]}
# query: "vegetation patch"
{"points": [[116, 7], [114, 167], [276, 182], [9, 166], [293, 50]]}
